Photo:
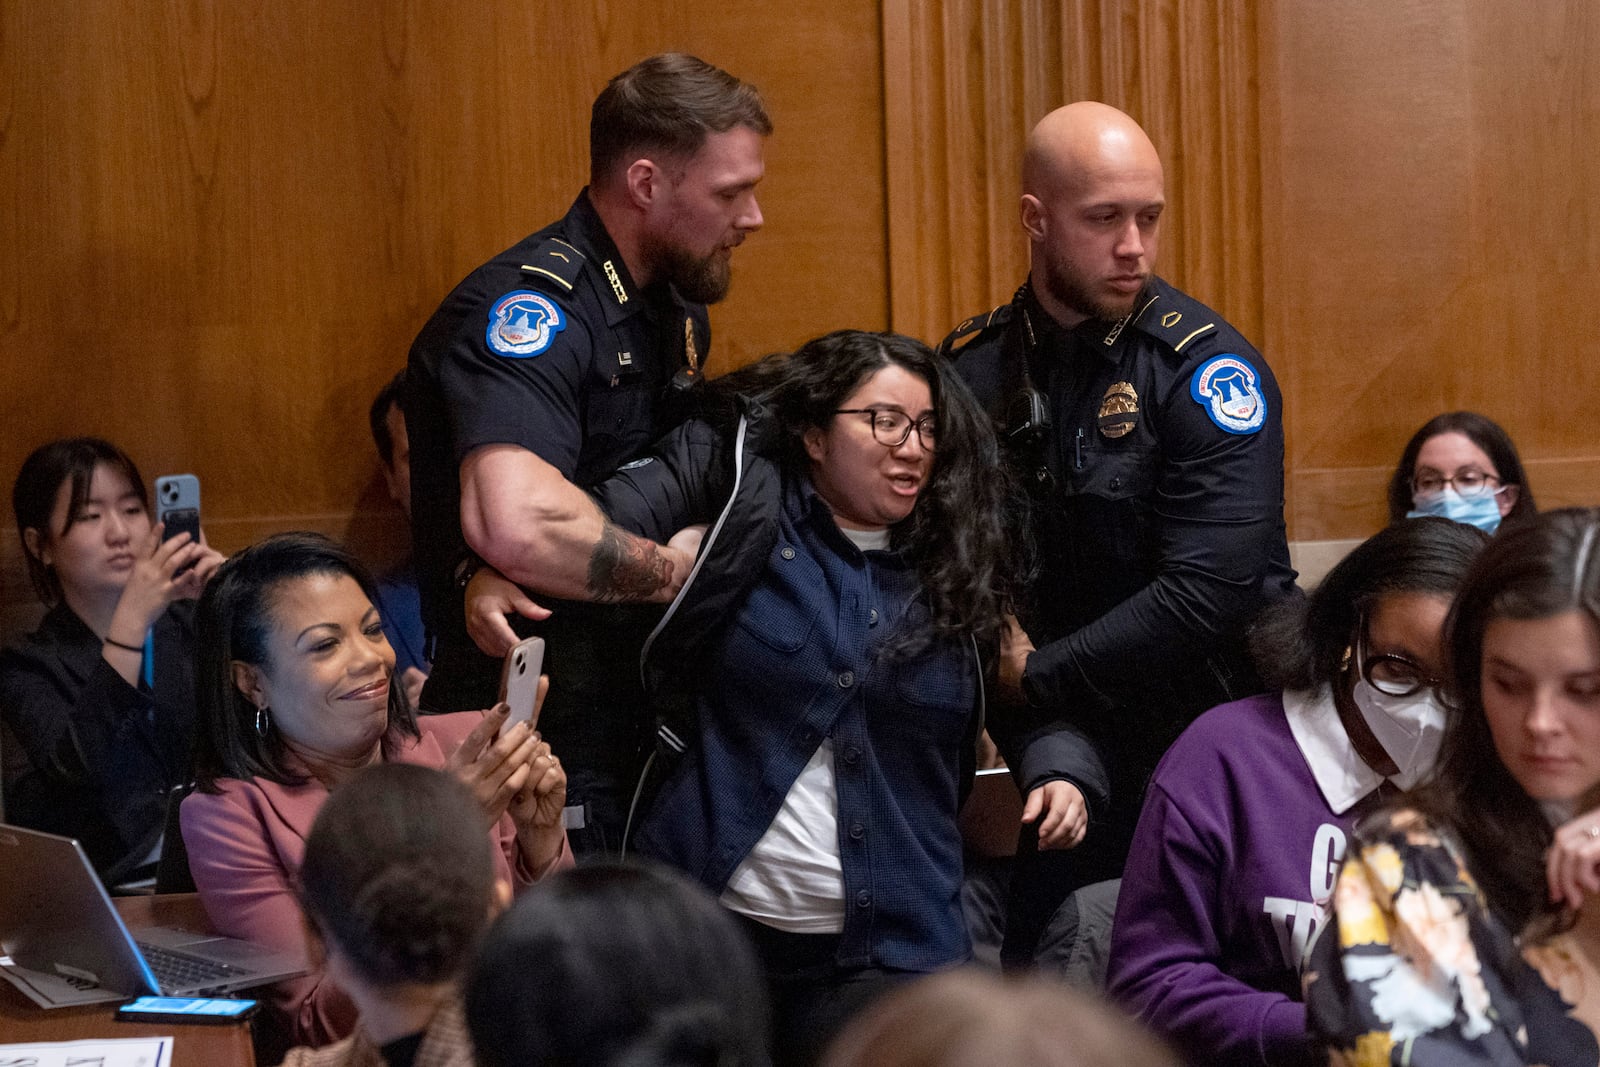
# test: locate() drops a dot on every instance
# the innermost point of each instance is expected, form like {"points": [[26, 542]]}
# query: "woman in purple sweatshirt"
{"points": [[1245, 822]]}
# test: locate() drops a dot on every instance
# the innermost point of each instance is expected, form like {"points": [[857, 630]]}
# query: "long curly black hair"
{"points": [[959, 535]]}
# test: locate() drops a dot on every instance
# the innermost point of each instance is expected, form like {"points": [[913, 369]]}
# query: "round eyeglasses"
{"points": [[1398, 676], [1469, 482], [891, 427]]}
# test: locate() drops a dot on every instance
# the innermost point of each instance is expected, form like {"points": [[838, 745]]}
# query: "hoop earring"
{"points": [[263, 720]]}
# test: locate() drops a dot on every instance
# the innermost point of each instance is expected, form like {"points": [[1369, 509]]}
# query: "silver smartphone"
{"points": [[519, 680]]}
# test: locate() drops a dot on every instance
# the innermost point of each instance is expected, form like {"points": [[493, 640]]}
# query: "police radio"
{"points": [[1027, 412], [1027, 424]]}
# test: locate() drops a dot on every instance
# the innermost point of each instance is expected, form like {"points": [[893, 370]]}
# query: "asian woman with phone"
{"points": [[98, 701]]}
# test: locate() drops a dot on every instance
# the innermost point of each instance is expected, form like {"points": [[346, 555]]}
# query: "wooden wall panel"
{"points": [[222, 223], [1434, 238], [966, 79]]}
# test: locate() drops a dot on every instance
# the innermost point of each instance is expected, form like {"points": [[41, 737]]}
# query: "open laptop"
{"points": [[67, 945]]}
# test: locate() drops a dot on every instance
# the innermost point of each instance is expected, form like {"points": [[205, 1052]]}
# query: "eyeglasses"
{"points": [[1469, 482], [1398, 676], [891, 428]]}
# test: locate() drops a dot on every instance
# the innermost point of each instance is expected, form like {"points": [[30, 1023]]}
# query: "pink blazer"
{"points": [[245, 847]]}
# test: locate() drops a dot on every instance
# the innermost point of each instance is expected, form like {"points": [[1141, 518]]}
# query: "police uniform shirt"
{"points": [[551, 347], [1158, 492]]}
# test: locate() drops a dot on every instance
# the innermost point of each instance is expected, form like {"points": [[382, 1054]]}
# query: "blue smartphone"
{"points": [[186, 1010], [178, 505]]}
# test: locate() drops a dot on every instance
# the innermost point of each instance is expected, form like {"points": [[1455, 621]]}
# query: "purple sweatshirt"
{"points": [[1228, 879]]}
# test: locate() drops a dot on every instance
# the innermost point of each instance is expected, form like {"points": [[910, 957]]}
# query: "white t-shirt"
{"points": [[793, 879]]}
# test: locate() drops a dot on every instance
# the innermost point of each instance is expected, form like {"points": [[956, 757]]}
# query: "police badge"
{"points": [[1119, 410]]}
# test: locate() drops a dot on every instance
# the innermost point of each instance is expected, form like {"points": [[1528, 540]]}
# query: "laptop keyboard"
{"points": [[175, 970]]}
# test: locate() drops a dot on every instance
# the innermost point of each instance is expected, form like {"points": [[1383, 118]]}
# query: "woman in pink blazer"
{"points": [[295, 684]]}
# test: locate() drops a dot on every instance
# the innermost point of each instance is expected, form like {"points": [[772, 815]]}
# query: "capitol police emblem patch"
{"points": [[523, 324], [1226, 387]]}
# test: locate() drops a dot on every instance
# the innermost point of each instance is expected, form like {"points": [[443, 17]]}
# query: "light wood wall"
{"points": [[1396, 202], [1433, 238], [221, 224]]}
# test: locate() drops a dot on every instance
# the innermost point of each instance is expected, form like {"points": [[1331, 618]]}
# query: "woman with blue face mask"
{"points": [[1463, 467]]}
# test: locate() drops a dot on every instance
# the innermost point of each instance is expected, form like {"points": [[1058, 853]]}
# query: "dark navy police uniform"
{"points": [[549, 346], [1156, 505]]}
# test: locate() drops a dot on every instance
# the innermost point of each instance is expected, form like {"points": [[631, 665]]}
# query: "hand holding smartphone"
{"points": [[519, 680]]}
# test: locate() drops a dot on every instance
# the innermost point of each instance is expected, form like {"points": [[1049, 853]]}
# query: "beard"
{"points": [[1069, 287], [698, 279]]}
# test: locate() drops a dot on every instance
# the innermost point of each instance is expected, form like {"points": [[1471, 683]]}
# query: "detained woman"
{"points": [[1466, 926], [98, 702], [820, 672], [1247, 816], [297, 693]]}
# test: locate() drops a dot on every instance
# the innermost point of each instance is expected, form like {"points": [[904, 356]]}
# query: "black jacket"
{"points": [[1158, 521], [98, 755]]}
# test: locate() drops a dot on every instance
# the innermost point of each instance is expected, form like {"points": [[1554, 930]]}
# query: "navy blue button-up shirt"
{"points": [[797, 663]]}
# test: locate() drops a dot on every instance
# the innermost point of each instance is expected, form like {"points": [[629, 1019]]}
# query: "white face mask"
{"points": [[1409, 728]]}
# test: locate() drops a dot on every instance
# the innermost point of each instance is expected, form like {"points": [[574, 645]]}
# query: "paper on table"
{"points": [[121, 1052]]}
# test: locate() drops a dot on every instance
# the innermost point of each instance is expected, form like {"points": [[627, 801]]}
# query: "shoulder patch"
{"points": [[523, 324], [997, 317], [1226, 387], [555, 261]]}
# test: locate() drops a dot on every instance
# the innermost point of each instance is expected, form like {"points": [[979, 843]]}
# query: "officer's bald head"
{"points": [[1080, 142], [1092, 197]]}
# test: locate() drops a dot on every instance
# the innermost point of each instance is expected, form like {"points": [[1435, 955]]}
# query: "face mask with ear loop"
{"points": [[1482, 511], [1410, 728]]}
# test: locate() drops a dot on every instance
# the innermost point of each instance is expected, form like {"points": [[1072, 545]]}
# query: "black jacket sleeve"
{"points": [[1219, 503], [101, 754], [679, 483]]}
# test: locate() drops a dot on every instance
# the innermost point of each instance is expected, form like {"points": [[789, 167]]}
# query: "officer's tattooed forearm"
{"points": [[625, 568]]}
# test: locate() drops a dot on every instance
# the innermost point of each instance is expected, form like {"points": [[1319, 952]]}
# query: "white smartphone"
{"points": [[519, 680], [178, 505]]}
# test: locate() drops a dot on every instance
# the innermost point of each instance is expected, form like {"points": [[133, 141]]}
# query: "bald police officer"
{"points": [[1149, 432], [552, 365]]}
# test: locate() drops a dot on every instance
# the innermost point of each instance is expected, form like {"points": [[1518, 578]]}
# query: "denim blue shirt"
{"points": [[797, 663]]}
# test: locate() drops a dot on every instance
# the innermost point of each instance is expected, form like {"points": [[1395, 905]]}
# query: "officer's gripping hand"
{"points": [[1063, 816], [490, 598], [680, 551], [1015, 648]]}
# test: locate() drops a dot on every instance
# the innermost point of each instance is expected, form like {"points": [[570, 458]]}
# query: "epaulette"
{"points": [[1175, 318], [555, 261], [976, 324]]}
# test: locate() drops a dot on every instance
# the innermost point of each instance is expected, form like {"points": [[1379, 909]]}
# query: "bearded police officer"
{"points": [[552, 365], [1149, 433]]}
